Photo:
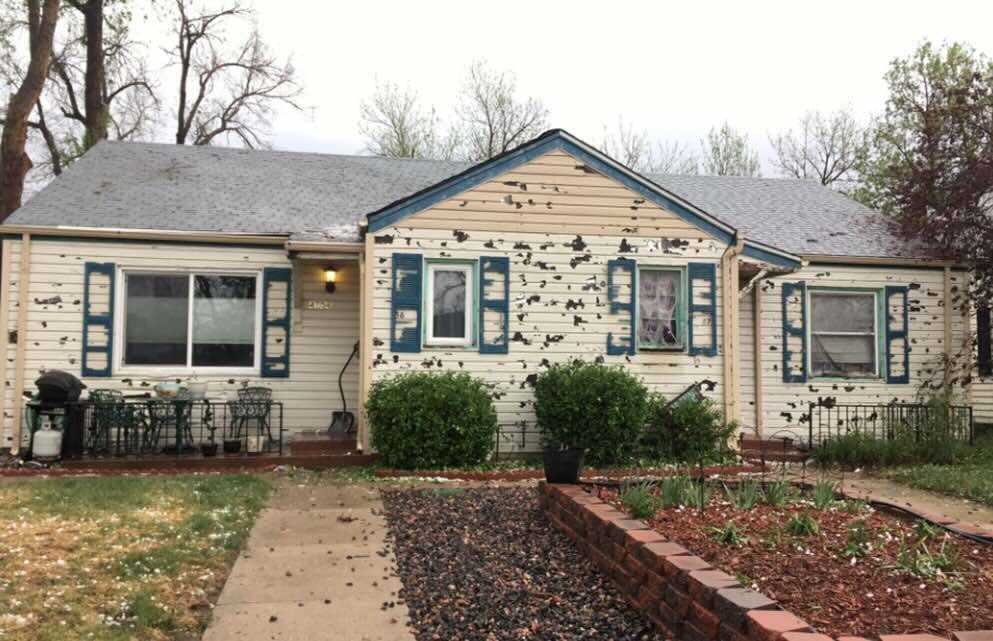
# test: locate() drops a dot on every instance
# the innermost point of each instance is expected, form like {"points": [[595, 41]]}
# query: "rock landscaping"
{"points": [[815, 563], [486, 564]]}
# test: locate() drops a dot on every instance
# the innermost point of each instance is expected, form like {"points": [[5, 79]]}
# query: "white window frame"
{"points": [[120, 312], [469, 268], [875, 294]]}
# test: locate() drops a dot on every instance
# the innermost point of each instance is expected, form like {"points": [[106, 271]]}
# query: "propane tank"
{"points": [[47, 444]]}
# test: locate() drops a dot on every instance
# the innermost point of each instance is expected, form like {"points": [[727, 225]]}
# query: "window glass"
{"points": [[156, 319], [658, 306], [843, 334], [223, 321], [448, 312]]}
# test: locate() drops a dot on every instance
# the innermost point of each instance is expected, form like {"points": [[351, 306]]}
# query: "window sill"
{"points": [[184, 372], [842, 379], [675, 349]]}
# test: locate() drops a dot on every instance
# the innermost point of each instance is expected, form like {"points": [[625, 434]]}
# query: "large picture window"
{"points": [[843, 334], [190, 320], [660, 313], [449, 302]]}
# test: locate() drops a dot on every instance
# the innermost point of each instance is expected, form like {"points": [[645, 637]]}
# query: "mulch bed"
{"points": [[486, 565], [838, 596]]}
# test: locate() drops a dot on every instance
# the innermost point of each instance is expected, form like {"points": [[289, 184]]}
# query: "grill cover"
{"points": [[56, 387]]}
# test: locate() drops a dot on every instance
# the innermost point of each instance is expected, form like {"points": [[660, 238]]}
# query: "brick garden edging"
{"points": [[681, 594]]}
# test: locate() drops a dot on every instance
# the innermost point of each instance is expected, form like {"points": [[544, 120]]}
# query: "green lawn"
{"points": [[971, 479], [119, 558]]}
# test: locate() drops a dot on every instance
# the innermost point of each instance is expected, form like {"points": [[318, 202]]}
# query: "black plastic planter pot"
{"points": [[232, 446], [208, 449], [563, 466]]}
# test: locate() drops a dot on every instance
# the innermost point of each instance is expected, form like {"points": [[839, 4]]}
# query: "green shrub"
{"points": [[424, 420], [590, 405], [689, 431], [640, 502], [858, 450]]}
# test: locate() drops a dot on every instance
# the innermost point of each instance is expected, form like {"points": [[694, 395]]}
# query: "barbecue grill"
{"points": [[58, 393]]}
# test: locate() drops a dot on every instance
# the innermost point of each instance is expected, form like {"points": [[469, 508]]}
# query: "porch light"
{"points": [[330, 275]]}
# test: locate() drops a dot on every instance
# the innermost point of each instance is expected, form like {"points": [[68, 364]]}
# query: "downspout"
{"points": [[23, 288]]}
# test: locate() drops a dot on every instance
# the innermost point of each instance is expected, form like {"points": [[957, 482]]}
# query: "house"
{"points": [[146, 262]]}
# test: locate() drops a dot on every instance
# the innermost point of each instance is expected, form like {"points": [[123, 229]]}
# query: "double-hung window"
{"points": [[844, 334], [661, 323], [190, 320], [449, 301]]}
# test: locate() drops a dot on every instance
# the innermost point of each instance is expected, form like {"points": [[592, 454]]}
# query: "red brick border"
{"points": [[681, 594]]}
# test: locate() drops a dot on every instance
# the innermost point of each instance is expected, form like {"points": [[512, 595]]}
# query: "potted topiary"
{"points": [[588, 412], [209, 448]]}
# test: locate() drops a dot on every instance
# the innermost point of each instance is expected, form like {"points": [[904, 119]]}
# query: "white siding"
{"points": [[746, 359], [319, 344], [558, 245], [786, 405]]}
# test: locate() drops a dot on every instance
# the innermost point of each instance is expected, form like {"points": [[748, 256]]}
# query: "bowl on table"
{"points": [[167, 391]]}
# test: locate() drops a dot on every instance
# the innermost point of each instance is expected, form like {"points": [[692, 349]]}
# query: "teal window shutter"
{"points": [[618, 304], [277, 285], [702, 285], [98, 319], [494, 304], [405, 303], [794, 332], [897, 335]]}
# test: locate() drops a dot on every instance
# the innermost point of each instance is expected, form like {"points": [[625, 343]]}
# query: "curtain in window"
{"points": [[658, 296], [448, 320]]}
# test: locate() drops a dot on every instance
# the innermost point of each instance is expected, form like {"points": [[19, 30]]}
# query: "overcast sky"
{"points": [[673, 68]]}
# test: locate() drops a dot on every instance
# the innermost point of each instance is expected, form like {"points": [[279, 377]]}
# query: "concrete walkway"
{"points": [[316, 567]]}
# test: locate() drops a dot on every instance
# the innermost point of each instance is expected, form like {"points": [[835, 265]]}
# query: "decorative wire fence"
{"points": [[155, 427], [914, 421]]}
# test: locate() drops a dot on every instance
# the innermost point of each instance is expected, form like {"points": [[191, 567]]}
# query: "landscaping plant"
{"points": [[431, 420], [857, 543], [688, 431], [746, 496], [778, 493], [823, 494], [640, 502], [673, 490], [592, 406], [730, 534], [802, 524], [697, 494]]}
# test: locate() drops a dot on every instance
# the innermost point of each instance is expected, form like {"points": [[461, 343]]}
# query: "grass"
{"points": [[116, 558], [971, 479]]}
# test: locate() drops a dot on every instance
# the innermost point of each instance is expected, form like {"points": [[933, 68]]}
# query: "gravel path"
{"points": [[485, 564]]}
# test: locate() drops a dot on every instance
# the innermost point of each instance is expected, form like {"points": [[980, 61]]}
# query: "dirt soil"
{"points": [[865, 595]]}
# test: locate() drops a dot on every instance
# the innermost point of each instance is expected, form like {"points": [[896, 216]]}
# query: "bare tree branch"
{"points": [[726, 152], [396, 126], [825, 148], [637, 151]]}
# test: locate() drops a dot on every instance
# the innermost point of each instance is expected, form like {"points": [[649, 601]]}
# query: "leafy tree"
{"points": [[929, 162], [396, 126], [726, 152], [824, 147], [42, 18]]}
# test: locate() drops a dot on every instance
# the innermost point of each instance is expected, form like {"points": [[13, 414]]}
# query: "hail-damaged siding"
{"points": [[321, 340], [786, 405], [558, 222]]}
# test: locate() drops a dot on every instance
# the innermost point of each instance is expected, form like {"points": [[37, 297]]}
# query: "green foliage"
{"points": [[726, 152], [802, 524], [971, 479], [823, 493], [640, 501], [854, 506], [697, 494], [923, 562], [746, 496], [431, 420], [145, 612], [730, 534], [857, 543], [779, 493], [590, 405], [689, 431], [858, 450], [673, 490]]}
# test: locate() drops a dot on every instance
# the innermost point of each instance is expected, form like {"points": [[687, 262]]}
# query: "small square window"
{"points": [[449, 301], [660, 308]]}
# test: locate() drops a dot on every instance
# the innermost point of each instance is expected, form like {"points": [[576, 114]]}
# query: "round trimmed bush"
{"points": [[590, 405], [430, 420]]}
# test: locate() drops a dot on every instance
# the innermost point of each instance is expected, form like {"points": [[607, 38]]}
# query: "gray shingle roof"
{"points": [[177, 188]]}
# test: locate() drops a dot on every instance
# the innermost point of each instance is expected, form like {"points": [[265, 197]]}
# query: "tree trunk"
{"points": [[14, 161], [97, 113]]}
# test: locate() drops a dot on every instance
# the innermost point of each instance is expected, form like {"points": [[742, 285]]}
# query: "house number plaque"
{"points": [[319, 305]]}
